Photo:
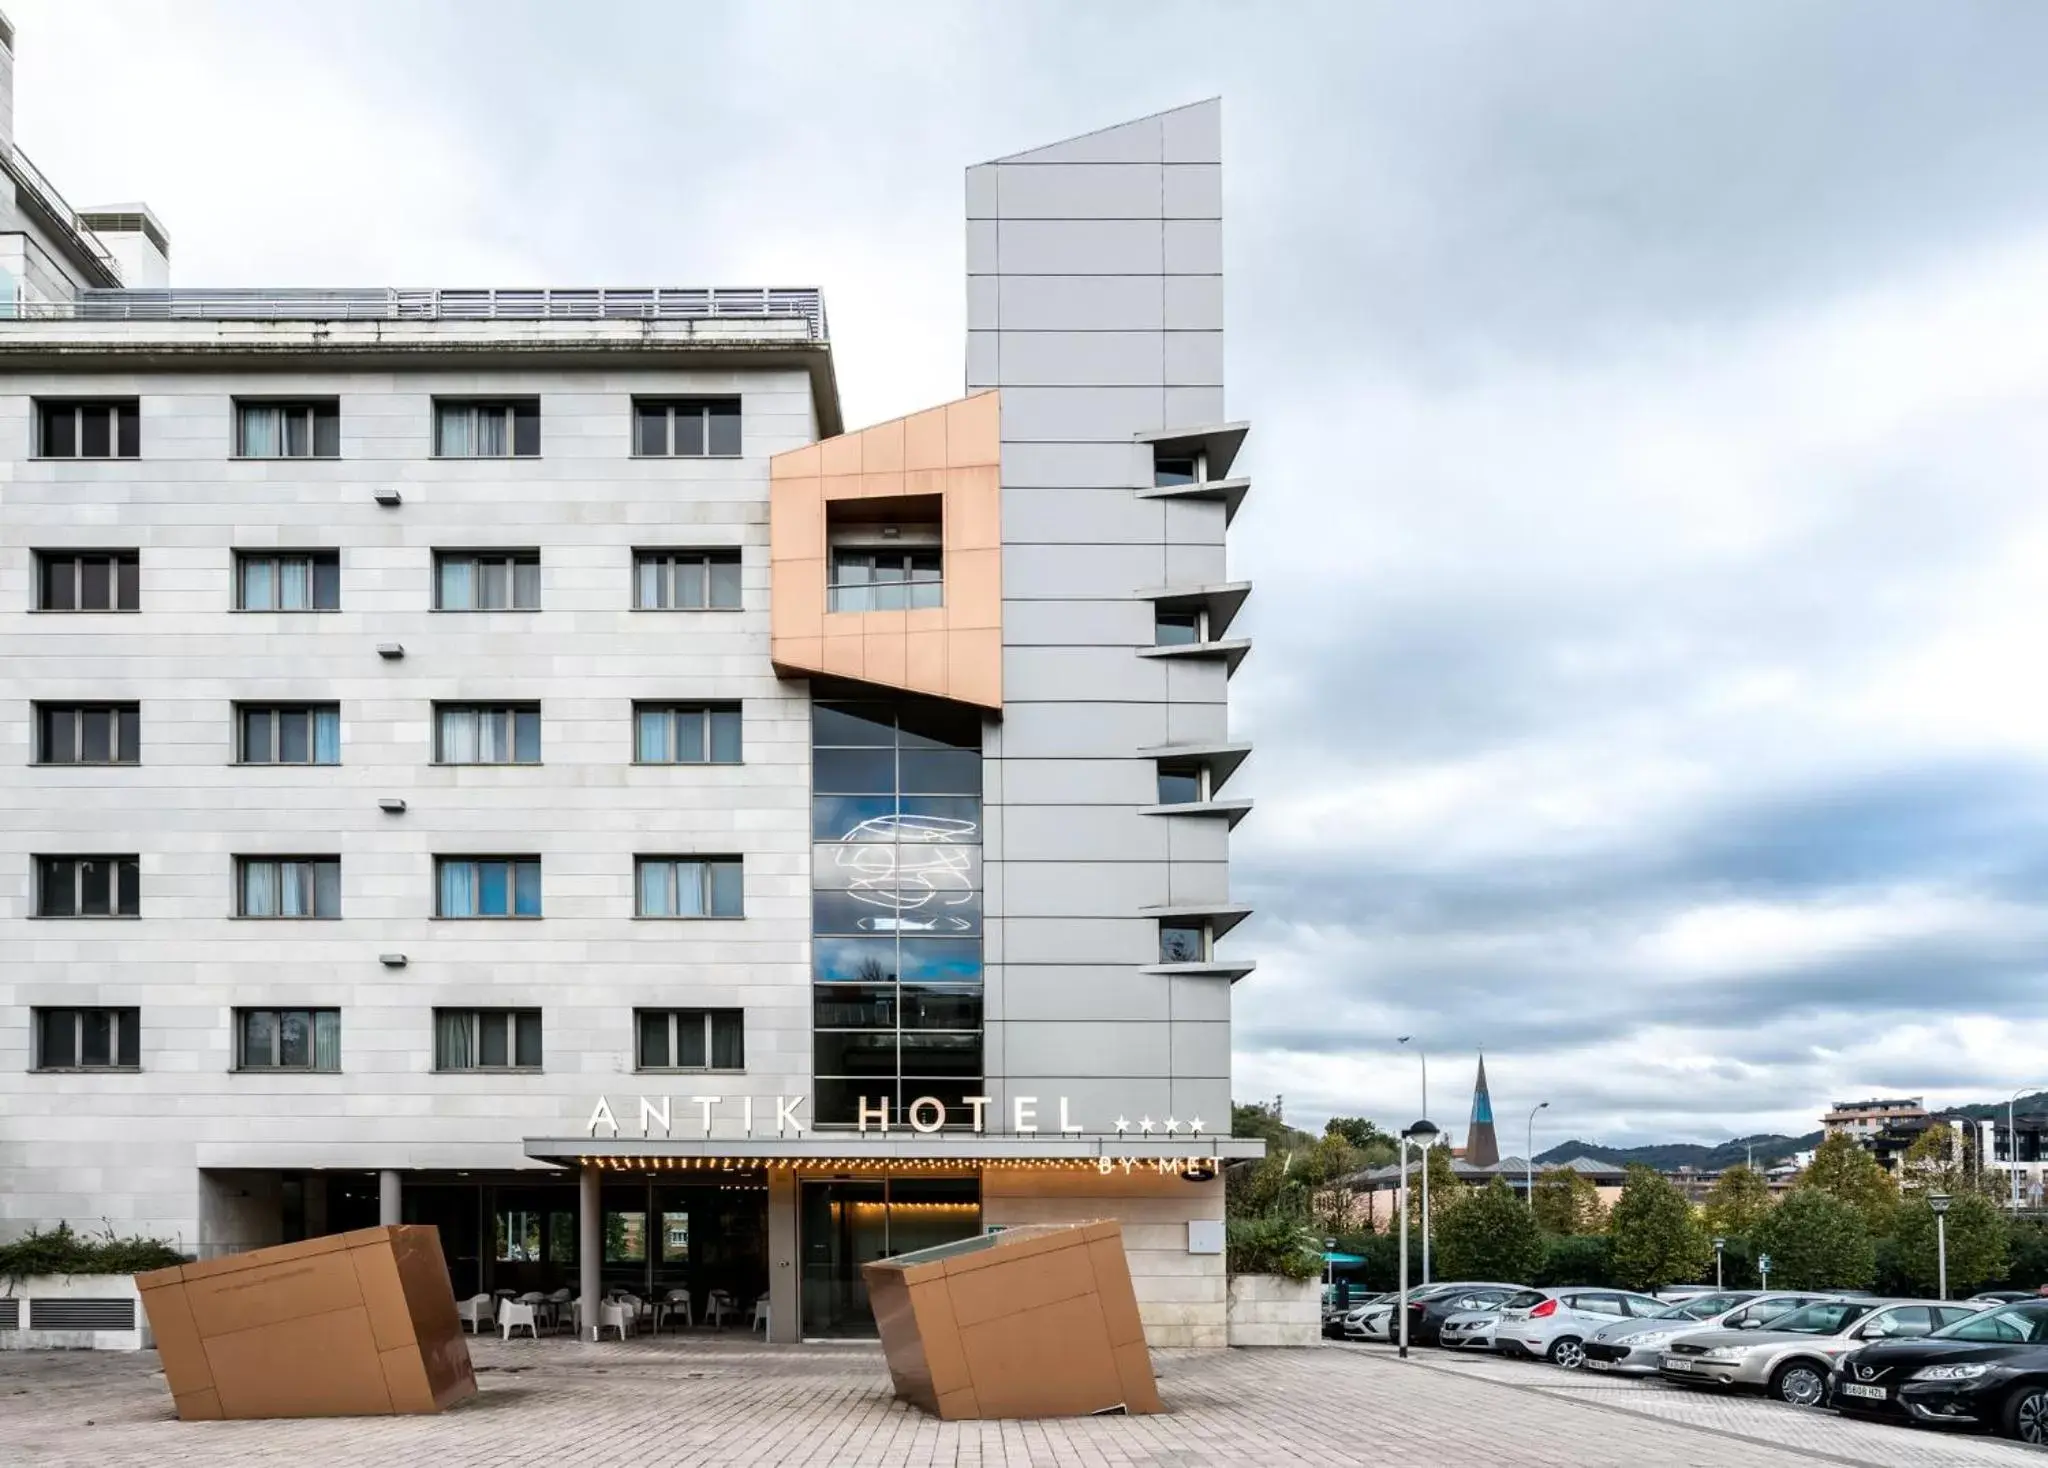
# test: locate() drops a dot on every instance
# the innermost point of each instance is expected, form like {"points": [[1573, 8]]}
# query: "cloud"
{"points": [[1648, 539]]}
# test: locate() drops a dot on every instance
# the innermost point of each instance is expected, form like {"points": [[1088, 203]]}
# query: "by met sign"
{"points": [[926, 1114]]}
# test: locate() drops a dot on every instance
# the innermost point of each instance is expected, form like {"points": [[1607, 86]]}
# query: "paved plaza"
{"points": [[736, 1405]]}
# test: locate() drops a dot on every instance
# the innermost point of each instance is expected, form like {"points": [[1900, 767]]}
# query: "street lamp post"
{"points": [[2012, 1144], [1422, 1134], [1529, 1156], [1719, 1244], [1404, 1039], [1939, 1203]]}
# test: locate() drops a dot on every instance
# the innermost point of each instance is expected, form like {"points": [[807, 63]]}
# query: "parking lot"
{"points": [[747, 1406]]}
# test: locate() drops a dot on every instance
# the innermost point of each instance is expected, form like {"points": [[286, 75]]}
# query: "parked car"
{"points": [[1426, 1317], [1791, 1358], [1375, 1322], [1470, 1330], [1335, 1313], [2002, 1297], [1989, 1369], [1636, 1347], [1553, 1323]]}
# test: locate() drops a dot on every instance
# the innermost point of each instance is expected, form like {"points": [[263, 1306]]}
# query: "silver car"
{"points": [[1553, 1324], [1791, 1357], [1636, 1347], [1470, 1330]]}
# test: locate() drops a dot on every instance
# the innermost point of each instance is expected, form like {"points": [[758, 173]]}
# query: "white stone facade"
{"points": [[128, 1146]]}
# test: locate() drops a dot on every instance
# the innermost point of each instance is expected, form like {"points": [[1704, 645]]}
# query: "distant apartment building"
{"points": [[517, 761], [1864, 1120]]}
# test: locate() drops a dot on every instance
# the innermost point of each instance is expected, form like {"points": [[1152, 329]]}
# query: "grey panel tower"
{"points": [[1095, 303]]}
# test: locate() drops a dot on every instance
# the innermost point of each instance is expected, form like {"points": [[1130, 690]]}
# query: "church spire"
{"points": [[1481, 1149]]}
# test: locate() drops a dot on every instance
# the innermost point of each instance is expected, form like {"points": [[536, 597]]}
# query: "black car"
{"points": [[1426, 1317], [1989, 1370]]}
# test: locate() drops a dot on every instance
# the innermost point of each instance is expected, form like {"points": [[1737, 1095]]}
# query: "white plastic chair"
{"points": [[716, 1306], [515, 1313], [477, 1311], [676, 1306], [614, 1316], [761, 1315]]}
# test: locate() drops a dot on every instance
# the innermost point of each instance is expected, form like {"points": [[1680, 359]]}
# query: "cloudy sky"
{"points": [[1651, 408]]}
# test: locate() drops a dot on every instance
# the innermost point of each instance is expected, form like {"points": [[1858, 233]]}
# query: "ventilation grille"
{"points": [[10, 1314], [82, 1314]]}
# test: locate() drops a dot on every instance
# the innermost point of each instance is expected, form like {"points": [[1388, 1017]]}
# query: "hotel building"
{"points": [[519, 761]]}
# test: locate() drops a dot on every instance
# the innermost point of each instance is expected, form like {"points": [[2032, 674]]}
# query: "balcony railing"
{"points": [[382, 304]]}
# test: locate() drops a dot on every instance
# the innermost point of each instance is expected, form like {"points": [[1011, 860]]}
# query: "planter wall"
{"points": [[1270, 1310], [72, 1312]]}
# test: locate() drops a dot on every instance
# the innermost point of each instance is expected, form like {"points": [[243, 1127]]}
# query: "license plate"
{"points": [[1592, 1365], [1673, 1364], [1857, 1389]]}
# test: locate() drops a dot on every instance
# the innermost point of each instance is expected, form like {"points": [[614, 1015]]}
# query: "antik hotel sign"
{"points": [[659, 1116]]}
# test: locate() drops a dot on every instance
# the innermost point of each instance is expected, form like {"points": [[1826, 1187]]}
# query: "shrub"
{"points": [[1817, 1241], [1273, 1246], [1490, 1235], [1575, 1259], [60, 1251], [1657, 1238]]}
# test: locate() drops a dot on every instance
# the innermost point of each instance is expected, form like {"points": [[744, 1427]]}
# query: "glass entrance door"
{"points": [[844, 1224]]}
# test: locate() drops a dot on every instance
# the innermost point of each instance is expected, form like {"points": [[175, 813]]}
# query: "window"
{"points": [[1183, 942], [88, 733], [89, 581], [691, 428], [686, 734], [93, 428], [1177, 629], [466, 734], [487, 887], [686, 581], [288, 1039], [688, 888], [1180, 784], [288, 734], [303, 430], [288, 887], [1825, 1318], [487, 1039], [1173, 469], [88, 1039], [487, 581], [487, 430], [297, 581], [690, 1039], [88, 886], [2022, 1321], [884, 580]]}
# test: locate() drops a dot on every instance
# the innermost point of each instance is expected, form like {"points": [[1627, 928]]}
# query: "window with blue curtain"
{"points": [[690, 888], [486, 887], [686, 734]]}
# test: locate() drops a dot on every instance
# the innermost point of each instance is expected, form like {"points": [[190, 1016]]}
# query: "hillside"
{"points": [[1667, 1155]]}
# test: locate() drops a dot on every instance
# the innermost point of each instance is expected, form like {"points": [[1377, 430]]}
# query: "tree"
{"points": [[1488, 1235], [1566, 1201], [1375, 1147], [1845, 1171], [1444, 1188], [1816, 1241], [1977, 1245], [1941, 1161], [1657, 1239], [1737, 1202]]}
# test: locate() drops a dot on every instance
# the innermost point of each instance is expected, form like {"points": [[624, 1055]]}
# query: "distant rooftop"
{"points": [[382, 303]]}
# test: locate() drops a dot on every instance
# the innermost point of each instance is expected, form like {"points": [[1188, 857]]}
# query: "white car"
{"points": [[1470, 1330], [1553, 1324]]}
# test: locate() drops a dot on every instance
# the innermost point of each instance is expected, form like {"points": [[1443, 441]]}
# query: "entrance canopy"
{"points": [[901, 1152]]}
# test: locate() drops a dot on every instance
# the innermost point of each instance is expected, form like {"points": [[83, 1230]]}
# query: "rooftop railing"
{"points": [[383, 304], [56, 205]]}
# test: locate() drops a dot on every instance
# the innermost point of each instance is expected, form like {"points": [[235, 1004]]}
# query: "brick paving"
{"points": [[739, 1405]]}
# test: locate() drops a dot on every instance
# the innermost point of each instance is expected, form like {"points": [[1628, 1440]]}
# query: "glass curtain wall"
{"points": [[896, 879]]}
